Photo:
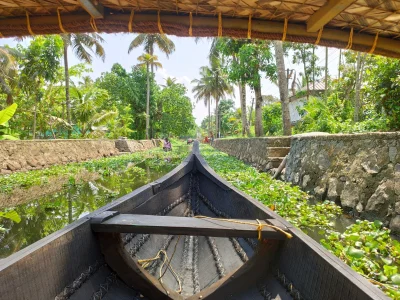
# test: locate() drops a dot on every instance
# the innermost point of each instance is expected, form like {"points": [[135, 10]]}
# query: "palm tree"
{"points": [[203, 91], [147, 59], [169, 82], [213, 83], [8, 70], [149, 41], [82, 44]]}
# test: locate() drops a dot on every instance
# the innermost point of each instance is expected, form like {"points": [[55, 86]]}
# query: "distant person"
{"points": [[190, 141], [212, 137], [167, 145]]}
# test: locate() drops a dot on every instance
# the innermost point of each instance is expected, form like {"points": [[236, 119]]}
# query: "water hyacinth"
{"points": [[368, 248], [287, 200]]}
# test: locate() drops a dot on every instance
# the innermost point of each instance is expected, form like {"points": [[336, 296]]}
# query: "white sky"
{"points": [[183, 64]]}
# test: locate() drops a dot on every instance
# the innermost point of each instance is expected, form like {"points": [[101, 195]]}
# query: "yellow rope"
{"points": [[93, 24], [190, 24], [374, 45], [319, 36], [59, 22], [28, 24], [159, 23], [249, 27], [219, 25], [350, 43], [285, 26], [131, 20], [259, 225], [146, 262]]}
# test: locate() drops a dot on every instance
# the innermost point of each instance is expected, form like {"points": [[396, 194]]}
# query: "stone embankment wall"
{"points": [[361, 172], [262, 153], [29, 155]]}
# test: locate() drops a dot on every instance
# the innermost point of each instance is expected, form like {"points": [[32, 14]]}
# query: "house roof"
{"points": [[317, 86], [364, 25]]}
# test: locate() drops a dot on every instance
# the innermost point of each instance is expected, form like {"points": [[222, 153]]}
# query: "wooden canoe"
{"points": [[149, 244]]}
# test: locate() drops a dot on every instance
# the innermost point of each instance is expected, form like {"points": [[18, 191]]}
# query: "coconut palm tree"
{"points": [[146, 60], [213, 83], [169, 82], [8, 70], [149, 41], [203, 91], [83, 44]]}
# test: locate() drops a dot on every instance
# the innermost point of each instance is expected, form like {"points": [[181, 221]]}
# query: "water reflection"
{"points": [[48, 214]]}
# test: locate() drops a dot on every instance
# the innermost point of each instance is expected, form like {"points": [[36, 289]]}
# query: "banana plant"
{"points": [[5, 115]]}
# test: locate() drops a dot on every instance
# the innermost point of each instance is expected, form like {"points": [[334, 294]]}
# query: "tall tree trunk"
{"points": [[259, 131], [67, 99], [283, 87], [359, 75], [209, 117], [7, 90], [148, 86], [34, 120], [245, 125], [340, 63], [148, 103], [326, 72], [303, 58], [216, 118]]}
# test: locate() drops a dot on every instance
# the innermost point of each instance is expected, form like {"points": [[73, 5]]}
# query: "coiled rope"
{"points": [[259, 225], [146, 262]]}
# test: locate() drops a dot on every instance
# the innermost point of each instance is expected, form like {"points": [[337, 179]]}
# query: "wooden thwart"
{"points": [[149, 224]]}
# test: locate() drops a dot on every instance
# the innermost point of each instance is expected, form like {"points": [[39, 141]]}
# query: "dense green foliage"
{"points": [[272, 119], [176, 108], [113, 105], [288, 201]]}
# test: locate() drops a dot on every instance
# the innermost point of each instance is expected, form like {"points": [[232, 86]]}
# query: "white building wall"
{"points": [[294, 114]]}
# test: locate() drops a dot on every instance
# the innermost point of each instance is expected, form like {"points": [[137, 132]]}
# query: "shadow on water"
{"points": [[48, 214]]}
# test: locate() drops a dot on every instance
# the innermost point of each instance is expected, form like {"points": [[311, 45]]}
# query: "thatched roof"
{"points": [[365, 25]]}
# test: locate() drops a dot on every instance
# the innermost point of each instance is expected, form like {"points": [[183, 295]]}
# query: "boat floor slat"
{"points": [[120, 291], [92, 284]]}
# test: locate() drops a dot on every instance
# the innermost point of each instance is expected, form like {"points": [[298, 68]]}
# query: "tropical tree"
{"points": [[8, 70], [177, 117], [228, 47], [146, 60], [39, 65], [212, 84], [83, 44], [203, 91], [149, 41], [283, 87]]}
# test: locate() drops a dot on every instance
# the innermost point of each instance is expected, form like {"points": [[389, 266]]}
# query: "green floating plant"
{"points": [[369, 249]]}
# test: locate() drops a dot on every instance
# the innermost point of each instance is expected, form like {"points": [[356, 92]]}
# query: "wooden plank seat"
{"points": [[196, 226]]}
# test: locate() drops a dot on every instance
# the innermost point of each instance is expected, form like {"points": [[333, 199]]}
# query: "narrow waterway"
{"points": [[50, 213]]}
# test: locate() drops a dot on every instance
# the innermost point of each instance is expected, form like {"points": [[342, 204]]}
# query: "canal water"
{"points": [[48, 214]]}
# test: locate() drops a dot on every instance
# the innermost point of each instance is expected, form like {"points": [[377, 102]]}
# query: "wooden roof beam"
{"points": [[326, 13], [94, 8]]}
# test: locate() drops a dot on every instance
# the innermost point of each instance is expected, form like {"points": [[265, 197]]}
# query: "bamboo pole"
{"points": [[231, 26]]}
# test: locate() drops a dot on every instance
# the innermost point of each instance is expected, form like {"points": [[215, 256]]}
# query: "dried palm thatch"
{"points": [[364, 25]]}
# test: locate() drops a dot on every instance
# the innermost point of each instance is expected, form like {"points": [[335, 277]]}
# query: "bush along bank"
{"points": [[367, 247]]}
